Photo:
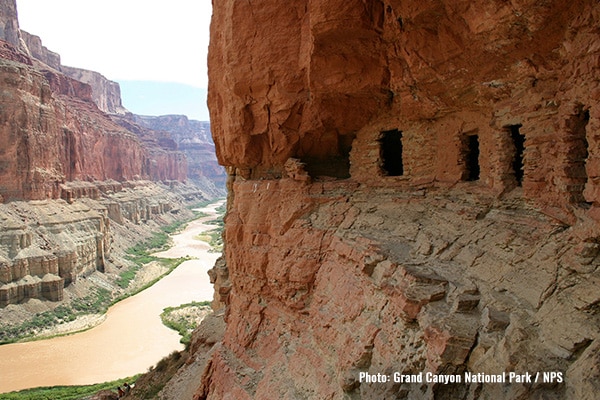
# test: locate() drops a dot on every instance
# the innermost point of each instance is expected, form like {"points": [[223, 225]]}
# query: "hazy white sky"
{"points": [[154, 40]]}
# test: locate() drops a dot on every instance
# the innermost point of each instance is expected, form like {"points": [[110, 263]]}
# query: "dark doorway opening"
{"points": [[518, 141], [578, 152], [390, 151], [472, 158]]}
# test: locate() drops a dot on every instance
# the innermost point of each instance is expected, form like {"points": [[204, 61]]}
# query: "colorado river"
{"points": [[130, 340]]}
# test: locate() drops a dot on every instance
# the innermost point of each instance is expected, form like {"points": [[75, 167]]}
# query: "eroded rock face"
{"points": [[449, 222], [46, 245], [57, 126], [40, 52], [195, 140], [9, 25], [63, 144], [105, 93], [328, 280], [312, 81], [54, 133]]}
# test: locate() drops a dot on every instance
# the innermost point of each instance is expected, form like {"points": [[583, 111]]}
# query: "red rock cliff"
{"points": [[195, 140], [53, 132], [106, 93], [413, 189], [55, 127], [40, 52]]}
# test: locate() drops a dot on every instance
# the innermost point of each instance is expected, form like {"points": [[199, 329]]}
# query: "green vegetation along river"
{"points": [[131, 339]]}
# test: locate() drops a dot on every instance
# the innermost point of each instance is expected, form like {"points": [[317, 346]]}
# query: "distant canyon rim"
{"points": [[81, 178], [413, 188]]}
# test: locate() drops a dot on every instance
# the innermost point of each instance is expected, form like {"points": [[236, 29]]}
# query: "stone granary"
{"points": [[413, 189]]}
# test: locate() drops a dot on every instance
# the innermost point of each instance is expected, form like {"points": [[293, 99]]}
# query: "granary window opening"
{"points": [[471, 157], [518, 141], [390, 151], [577, 153]]}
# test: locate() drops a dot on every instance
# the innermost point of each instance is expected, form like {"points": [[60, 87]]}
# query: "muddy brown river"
{"points": [[131, 339]]}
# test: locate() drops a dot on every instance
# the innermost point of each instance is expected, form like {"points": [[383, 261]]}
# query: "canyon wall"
{"points": [[57, 128], [40, 52], [194, 139], [53, 133], [9, 25], [47, 245], [68, 167], [413, 189], [105, 93]]}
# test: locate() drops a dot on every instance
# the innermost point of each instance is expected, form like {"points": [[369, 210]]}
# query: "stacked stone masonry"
{"points": [[330, 104], [413, 188]]}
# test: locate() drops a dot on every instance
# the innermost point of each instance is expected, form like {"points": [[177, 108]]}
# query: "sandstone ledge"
{"points": [[49, 244], [333, 282], [452, 222]]}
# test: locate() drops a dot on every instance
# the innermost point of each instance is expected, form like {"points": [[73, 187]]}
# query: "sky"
{"points": [[152, 40]]}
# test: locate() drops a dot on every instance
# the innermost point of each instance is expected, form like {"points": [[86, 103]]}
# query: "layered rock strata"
{"points": [[40, 52], [509, 85], [194, 139], [46, 245], [413, 189], [105, 93], [9, 25], [57, 125], [54, 133], [338, 280], [67, 145]]}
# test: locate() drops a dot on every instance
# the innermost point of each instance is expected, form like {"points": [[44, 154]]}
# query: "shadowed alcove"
{"points": [[471, 158], [332, 163], [390, 151], [518, 141]]}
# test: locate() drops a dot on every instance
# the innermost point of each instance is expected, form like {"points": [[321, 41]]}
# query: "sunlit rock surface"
{"points": [[194, 139], [53, 132], [441, 214], [68, 167], [47, 245], [57, 125]]}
